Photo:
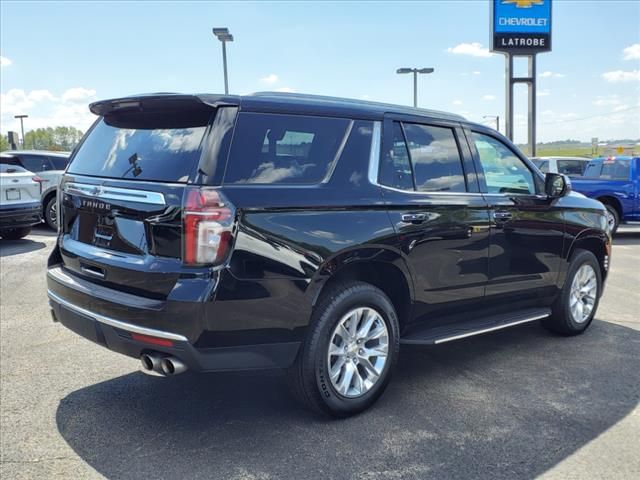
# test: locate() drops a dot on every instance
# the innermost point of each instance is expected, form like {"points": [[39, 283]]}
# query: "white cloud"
{"points": [[548, 74], [618, 76], [632, 52], [457, 102], [621, 108], [285, 90], [45, 109], [270, 79], [606, 101], [474, 49], [365, 97], [488, 97], [476, 72], [543, 93], [5, 62], [78, 95]]}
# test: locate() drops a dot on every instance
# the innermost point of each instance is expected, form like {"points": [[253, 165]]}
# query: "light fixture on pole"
{"points": [[21, 117], [415, 72], [224, 36], [496, 118]]}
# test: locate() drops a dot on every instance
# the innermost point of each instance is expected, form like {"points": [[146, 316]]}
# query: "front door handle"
{"points": [[414, 217], [502, 216]]}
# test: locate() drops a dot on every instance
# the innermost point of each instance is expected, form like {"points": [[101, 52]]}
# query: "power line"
{"points": [[591, 116]]}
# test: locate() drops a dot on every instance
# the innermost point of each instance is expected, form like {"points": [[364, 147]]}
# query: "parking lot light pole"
{"points": [[224, 36], [21, 117], [415, 72], [496, 118]]}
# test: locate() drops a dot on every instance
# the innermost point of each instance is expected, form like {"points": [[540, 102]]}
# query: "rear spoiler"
{"points": [[161, 101]]}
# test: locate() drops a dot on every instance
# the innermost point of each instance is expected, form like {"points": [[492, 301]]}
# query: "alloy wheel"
{"points": [[584, 290]]}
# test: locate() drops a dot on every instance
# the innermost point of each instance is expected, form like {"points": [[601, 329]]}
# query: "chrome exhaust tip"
{"points": [[151, 364], [172, 366]]}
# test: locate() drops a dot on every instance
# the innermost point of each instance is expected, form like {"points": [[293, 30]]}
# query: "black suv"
{"points": [[314, 234]]}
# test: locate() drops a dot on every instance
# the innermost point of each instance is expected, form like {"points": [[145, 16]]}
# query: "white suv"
{"points": [[572, 166], [20, 206], [48, 166]]}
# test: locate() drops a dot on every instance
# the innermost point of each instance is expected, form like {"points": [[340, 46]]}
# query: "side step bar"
{"points": [[448, 333]]}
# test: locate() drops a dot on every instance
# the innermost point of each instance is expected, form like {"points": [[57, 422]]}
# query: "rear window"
{"points": [[8, 168], [59, 163], [284, 149], [151, 146], [609, 169]]}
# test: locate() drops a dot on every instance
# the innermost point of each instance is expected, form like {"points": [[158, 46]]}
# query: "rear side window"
{"points": [[9, 168], [144, 146], [284, 149], [571, 167], [35, 163], [395, 170], [437, 166]]}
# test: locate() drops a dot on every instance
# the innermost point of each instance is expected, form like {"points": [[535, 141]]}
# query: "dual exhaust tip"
{"points": [[165, 366]]}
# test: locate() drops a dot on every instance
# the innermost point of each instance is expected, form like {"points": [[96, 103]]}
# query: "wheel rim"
{"points": [[584, 290], [358, 352], [53, 213], [611, 219]]}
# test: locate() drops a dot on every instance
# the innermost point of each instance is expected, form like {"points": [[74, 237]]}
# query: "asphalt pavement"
{"points": [[519, 403]]}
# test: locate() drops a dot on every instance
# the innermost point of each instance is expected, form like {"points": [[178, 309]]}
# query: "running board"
{"points": [[457, 331]]}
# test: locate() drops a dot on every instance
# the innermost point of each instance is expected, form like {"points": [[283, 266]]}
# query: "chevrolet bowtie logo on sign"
{"points": [[521, 27], [524, 3]]}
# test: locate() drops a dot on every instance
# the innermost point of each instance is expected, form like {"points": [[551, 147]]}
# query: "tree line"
{"points": [[59, 139]]}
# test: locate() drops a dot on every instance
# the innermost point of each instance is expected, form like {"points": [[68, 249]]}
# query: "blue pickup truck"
{"points": [[615, 182]]}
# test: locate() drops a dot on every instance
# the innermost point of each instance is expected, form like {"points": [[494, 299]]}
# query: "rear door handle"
{"points": [[414, 217], [502, 216]]}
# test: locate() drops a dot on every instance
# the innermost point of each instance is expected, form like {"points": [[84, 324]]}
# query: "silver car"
{"points": [[48, 166]]}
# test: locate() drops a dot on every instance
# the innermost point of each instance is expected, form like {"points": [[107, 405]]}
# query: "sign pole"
{"points": [[508, 75], [532, 105]]}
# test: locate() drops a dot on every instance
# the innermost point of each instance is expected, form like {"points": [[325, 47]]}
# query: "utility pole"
{"points": [[496, 118]]}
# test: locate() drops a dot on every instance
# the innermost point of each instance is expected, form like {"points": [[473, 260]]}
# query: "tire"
{"points": [[310, 376], [613, 217], [50, 216], [15, 233], [563, 319]]}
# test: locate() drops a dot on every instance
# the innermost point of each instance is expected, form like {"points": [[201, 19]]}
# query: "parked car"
{"points": [[314, 234], [572, 166], [49, 167], [615, 182], [20, 206]]}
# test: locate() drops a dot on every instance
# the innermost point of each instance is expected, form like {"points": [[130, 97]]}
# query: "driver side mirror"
{"points": [[556, 185]]}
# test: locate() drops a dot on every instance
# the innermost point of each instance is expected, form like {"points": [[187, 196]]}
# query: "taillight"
{"points": [[39, 181], [208, 226]]}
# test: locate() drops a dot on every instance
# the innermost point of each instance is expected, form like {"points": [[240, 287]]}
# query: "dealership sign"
{"points": [[521, 27]]}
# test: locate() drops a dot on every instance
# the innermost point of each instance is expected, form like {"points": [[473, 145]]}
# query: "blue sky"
{"points": [[59, 56]]}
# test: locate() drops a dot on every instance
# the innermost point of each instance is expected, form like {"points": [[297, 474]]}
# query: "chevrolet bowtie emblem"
{"points": [[523, 3]]}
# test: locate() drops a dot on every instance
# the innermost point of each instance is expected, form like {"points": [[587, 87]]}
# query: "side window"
{"points": [[593, 169], [616, 170], [283, 149], [395, 170], [437, 166], [504, 172], [59, 163], [570, 167]]}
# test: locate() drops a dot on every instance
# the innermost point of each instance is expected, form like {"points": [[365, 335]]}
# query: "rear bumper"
{"points": [[22, 215], [77, 310]]}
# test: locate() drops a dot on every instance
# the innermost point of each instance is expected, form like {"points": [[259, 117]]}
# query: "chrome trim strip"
{"points": [[116, 323], [115, 193], [374, 155], [492, 329]]}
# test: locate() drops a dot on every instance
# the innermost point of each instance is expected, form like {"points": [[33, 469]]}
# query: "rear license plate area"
{"points": [[13, 194]]}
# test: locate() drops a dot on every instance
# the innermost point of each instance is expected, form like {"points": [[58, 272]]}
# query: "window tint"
{"points": [[283, 149], [571, 167], [59, 163], [435, 158], [395, 170], [156, 147], [504, 172], [35, 163], [616, 169], [543, 165], [593, 169]]}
